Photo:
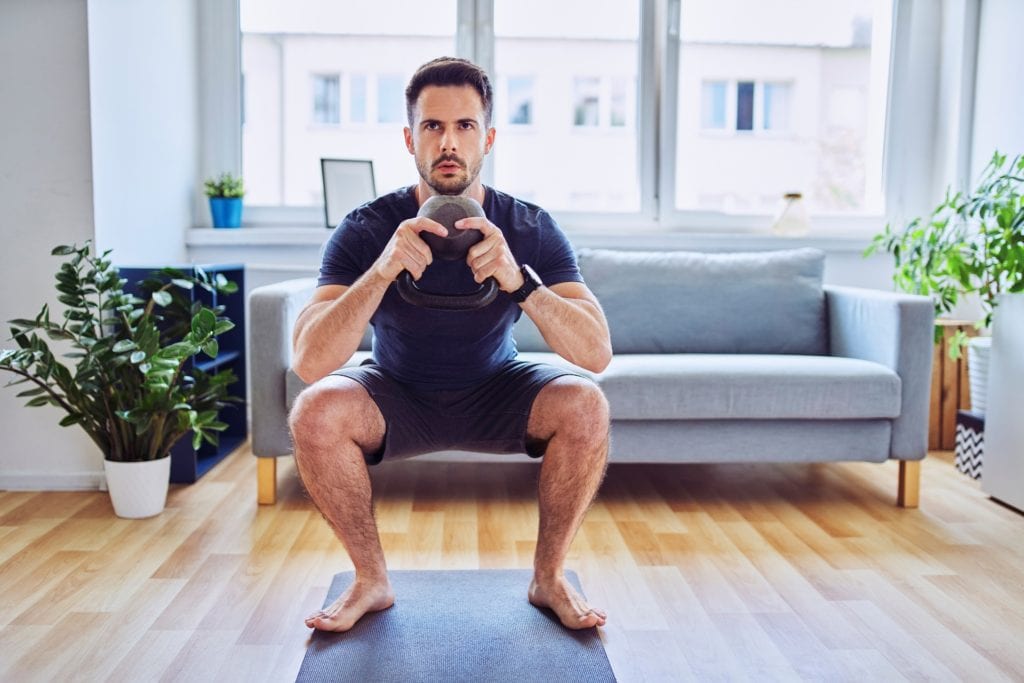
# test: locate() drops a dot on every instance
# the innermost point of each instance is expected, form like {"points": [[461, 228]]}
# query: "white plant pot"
{"points": [[978, 350], [138, 489]]}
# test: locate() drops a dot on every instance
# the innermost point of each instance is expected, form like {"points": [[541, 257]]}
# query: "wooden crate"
{"points": [[950, 389]]}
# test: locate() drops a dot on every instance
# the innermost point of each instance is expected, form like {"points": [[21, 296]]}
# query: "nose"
{"points": [[448, 141]]}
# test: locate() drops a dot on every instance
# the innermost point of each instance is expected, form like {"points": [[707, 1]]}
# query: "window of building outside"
{"points": [[358, 56], [326, 98], [579, 153], [791, 99], [519, 98]]}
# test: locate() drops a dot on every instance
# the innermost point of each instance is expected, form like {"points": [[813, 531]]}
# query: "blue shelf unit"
{"points": [[187, 463]]}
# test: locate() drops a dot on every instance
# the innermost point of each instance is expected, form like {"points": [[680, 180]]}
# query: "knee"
{"points": [[320, 416], [580, 408]]}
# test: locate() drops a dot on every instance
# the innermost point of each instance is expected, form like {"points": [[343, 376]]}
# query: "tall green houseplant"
{"points": [[972, 244], [130, 387]]}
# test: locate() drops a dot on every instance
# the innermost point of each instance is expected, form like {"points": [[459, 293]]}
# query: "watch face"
{"points": [[531, 276]]}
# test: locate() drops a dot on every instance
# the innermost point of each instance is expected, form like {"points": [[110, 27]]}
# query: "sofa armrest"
{"points": [[272, 313], [894, 330]]}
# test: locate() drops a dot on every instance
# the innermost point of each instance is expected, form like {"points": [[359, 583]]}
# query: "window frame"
{"points": [[907, 156]]}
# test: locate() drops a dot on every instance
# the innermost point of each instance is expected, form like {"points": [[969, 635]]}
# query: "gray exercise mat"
{"points": [[456, 626]]}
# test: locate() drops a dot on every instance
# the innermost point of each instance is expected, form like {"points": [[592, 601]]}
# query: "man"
{"points": [[442, 379]]}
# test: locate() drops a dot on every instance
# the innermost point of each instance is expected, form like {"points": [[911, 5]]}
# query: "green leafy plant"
{"points": [[224, 185], [130, 387], [973, 243]]}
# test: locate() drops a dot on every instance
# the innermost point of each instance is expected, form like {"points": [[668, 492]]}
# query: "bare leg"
{"points": [[333, 423], [572, 416]]}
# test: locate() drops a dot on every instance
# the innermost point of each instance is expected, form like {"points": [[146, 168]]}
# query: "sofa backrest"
{"points": [[694, 302]]}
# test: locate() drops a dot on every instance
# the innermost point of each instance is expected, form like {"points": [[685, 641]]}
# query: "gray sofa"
{"points": [[739, 357]]}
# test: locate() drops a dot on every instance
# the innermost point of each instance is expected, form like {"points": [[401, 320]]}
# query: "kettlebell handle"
{"points": [[446, 210], [411, 292]]}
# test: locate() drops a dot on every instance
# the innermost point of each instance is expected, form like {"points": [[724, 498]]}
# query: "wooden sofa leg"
{"points": [[910, 484], [266, 481]]}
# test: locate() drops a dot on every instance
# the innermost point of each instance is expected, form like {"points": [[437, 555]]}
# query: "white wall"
{"points": [[143, 77], [100, 141], [999, 89], [46, 195]]}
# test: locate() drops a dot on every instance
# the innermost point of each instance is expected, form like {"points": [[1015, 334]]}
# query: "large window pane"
{"points": [[789, 98], [370, 50], [581, 56]]}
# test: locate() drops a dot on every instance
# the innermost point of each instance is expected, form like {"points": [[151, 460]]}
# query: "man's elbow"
{"points": [[598, 360], [306, 371]]}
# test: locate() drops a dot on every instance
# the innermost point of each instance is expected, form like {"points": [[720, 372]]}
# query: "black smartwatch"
{"points": [[531, 281]]}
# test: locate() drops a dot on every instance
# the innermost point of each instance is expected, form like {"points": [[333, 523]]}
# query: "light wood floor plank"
{"points": [[708, 572]]}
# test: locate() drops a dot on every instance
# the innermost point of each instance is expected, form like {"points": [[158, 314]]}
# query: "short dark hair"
{"points": [[450, 71]]}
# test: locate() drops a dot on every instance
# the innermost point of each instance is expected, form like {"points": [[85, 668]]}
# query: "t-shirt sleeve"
{"points": [[556, 262], [343, 260]]}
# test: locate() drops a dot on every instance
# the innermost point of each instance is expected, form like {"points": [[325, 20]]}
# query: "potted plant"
{"points": [[130, 385], [972, 244], [225, 193]]}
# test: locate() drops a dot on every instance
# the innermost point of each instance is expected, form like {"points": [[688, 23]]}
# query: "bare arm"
{"points": [[567, 314], [572, 323], [328, 330]]}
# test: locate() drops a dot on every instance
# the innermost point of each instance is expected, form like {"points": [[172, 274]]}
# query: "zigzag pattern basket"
{"points": [[970, 443]]}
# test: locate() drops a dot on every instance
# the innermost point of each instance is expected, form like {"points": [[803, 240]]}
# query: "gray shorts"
{"points": [[490, 417]]}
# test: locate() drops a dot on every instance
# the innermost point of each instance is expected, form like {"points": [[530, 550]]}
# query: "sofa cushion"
{"points": [[690, 302], [730, 387]]}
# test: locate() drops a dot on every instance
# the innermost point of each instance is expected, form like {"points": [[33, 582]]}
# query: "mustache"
{"points": [[447, 159]]}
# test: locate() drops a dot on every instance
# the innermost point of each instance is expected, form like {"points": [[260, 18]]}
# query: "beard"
{"points": [[454, 184]]}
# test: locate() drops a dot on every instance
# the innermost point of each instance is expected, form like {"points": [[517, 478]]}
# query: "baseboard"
{"points": [[33, 481]]}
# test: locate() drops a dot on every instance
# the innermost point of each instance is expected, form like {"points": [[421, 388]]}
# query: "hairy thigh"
{"points": [[335, 410], [569, 405]]}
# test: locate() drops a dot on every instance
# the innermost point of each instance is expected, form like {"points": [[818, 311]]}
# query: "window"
{"points": [[712, 107], [586, 102], [326, 99], [520, 100], [656, 109], [357, 99], [776, 106], [580, 151], [753, 78], [391, 99], [358, 57]]}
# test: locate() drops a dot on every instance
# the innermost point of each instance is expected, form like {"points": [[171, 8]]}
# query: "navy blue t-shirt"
{"points": [[432, 349]]}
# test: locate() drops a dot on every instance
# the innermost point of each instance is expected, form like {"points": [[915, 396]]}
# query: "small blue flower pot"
{"points": [[226, 211]]}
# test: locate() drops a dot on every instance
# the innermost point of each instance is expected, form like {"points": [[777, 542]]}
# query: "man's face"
{"points": [[449, 137]]}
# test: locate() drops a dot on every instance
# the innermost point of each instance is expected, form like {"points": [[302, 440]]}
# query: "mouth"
{"points": [[447, 166]]}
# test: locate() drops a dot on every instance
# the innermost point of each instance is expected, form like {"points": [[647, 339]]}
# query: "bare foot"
{"points": [[361, 597], [558, 595]]}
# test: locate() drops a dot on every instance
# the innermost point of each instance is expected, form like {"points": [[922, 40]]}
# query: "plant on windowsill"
{"points": [[130, 387], [971, 245], [225, 193]]}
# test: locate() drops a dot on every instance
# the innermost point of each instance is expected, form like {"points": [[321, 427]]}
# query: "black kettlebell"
{"points": [[446, 210]]}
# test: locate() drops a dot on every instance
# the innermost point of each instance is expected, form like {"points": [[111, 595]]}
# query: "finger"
{"points": [[477, 223], [424, 224]]}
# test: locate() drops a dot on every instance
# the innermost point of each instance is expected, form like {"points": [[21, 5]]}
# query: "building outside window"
{"points": [[791, 98]]}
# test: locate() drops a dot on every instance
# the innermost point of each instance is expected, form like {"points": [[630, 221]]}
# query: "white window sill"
{"points": [[608, 239]]}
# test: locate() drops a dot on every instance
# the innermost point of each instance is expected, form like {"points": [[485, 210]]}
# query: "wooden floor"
{"points": [[726, 572]]}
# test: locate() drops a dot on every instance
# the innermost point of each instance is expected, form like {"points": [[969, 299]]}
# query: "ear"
{"points": [[407, 132], [489, 142]]}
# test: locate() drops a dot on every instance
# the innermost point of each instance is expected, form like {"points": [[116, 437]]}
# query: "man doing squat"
{"points": [[449, 379]]}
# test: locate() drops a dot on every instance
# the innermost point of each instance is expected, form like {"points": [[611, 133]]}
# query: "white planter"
{"points": [[978, 350], [138, 489]]}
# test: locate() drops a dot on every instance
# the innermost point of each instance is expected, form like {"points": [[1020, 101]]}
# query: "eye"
{"points": [[467, 125], [431, 125]]}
